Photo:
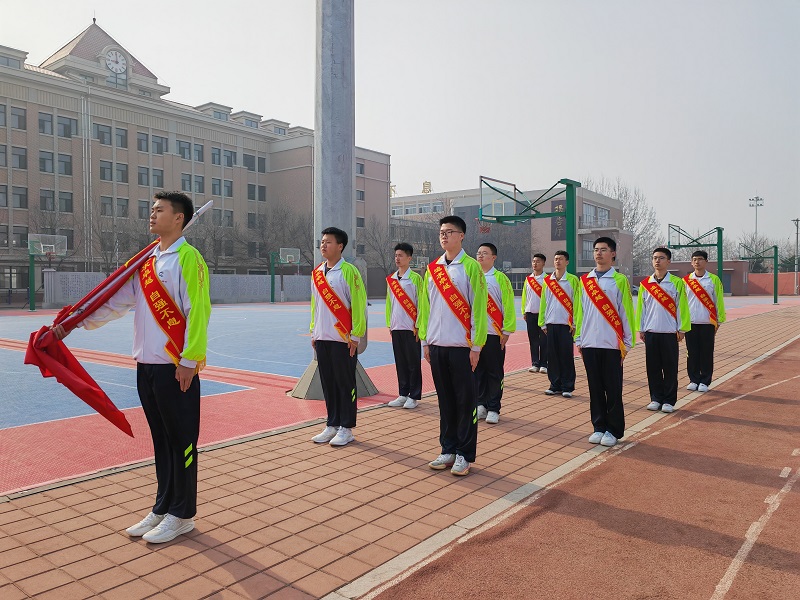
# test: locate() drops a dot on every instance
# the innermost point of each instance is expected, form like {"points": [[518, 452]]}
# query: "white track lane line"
{"points": [[751, 538]]}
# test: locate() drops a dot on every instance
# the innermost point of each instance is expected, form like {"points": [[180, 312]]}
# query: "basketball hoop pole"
{"points": [[272, 256], [31, 284]]}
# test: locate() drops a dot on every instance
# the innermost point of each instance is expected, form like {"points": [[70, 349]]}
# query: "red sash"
{"points": [[537, 287], [344, 320], [704, 298], [402, 297], [664, 299], [560, 295], [164, 310], [451, 295], [495, 314], [605, 308]]}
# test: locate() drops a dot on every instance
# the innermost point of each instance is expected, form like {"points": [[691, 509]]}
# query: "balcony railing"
{"points": [[594, 223]]}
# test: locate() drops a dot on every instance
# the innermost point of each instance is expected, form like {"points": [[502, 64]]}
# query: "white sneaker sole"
{"points": [[342, 442], [169, 535]]}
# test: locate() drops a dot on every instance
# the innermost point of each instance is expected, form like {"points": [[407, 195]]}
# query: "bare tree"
{"points": [[638, 217], [378, 244]]}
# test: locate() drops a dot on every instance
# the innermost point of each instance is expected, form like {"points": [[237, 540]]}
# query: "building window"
{"points": [[45, 161], [46, 123], [438, 207], [359, 221], [251, 123], [7, 61], [359, 195], [65, 164], [216, 186], [19, 197], [186, 182], [587, 250], [262, 164], [145, 93], [122, 138], [122, 173], [2, 115], [20, 236], [251, 220], [143, 178], [359, 168], [3, 244], [198, 152], [160, 144], [229, 157], [106, 241], [199, 184], [3, 196], [249, 161], [361, 249], [18, 118], [105, 170], [216, 156], [220, 116], [227, 218], [251, 191], [144, 209], [47, 200], [19, 158], [122, 207], [3, 157], [65, 202], [142, 142], [227, 188], [106, 206], [158, 178], [67, 127], [397, 211], [185, 150], [216, 216], [262, 193], [102, 133], [252, 249], [279, 130], [70, 235], [411, 210]]}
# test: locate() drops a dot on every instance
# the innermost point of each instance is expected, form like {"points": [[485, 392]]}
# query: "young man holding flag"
{"points": [[404, 287], [490, 372], [452, 326], [171, 295], [531, 300], [662, 318], [707, 309], [338, 321], [604, 334], [561, 291]]}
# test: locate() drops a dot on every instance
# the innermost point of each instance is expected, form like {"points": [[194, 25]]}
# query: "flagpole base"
{"points": [[309, 387]]}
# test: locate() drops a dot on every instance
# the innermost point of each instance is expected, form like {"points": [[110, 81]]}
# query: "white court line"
{"points": [[751, 538], [796, 452], [785, 472]]}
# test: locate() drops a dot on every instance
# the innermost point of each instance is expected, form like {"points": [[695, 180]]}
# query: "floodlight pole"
{"points": [[272, 256], [796, 252], [756, 202]]}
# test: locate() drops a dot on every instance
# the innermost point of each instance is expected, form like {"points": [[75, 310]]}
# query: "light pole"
{"points": [[796, 248], [756, 202]]}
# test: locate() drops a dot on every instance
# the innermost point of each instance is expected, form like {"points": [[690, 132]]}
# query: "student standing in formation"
{"points": [[604, 334], [502, 323], [452, 326], [338, 321], [707, 309], [662, 318], [531, 299], [170, 294], [557, 320], [404, 287]]}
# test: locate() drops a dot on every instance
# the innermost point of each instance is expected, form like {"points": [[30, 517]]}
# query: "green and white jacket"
{"points": [[346, 281]]}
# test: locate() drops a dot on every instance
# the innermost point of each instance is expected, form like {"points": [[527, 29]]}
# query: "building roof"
{"points": [[89, 43], [36, 69]]}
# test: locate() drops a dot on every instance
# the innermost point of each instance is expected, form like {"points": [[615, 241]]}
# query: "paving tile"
{"points": [[87, 566], [230, 572], [169, 576], [291, 570], [132, 590], [319, 584], [101, 582], [71, 591], [44, 581], [259, 585], [27, 568], [290, 593], [348, 568], [12, 592]]}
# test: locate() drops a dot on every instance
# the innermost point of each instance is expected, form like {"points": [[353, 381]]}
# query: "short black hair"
{"points": [[405, 247], [341, 236], [181, 203], [664, 251], [491, 247], [606, 240], [539, 255], [563, 253], [701, 253], [454, 220]]}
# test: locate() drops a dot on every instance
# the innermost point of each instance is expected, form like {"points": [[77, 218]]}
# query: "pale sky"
{"points": [[695, 102]]}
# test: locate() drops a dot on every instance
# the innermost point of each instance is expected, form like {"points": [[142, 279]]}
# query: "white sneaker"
{"points": [[566, 394], [596, 437], [482, 412], [170, 528], [608, 440], [492, 417], [654, 405], [399, 401], [533, 370], [442, 461], [702, 387], [145, 525], [411, 403], [550, 392], [460, 466], [542, 369], [343, 437], [692, 387], [667, 408], [326, 436]]}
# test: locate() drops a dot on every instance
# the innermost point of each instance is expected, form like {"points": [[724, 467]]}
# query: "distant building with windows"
{"points": [[87, 138], [415, 218]]}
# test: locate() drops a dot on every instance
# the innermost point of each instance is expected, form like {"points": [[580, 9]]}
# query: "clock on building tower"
{"points": [[118, 65]]}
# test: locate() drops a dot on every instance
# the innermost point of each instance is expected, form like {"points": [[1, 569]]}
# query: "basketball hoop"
{"points": [[483, 226]]}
